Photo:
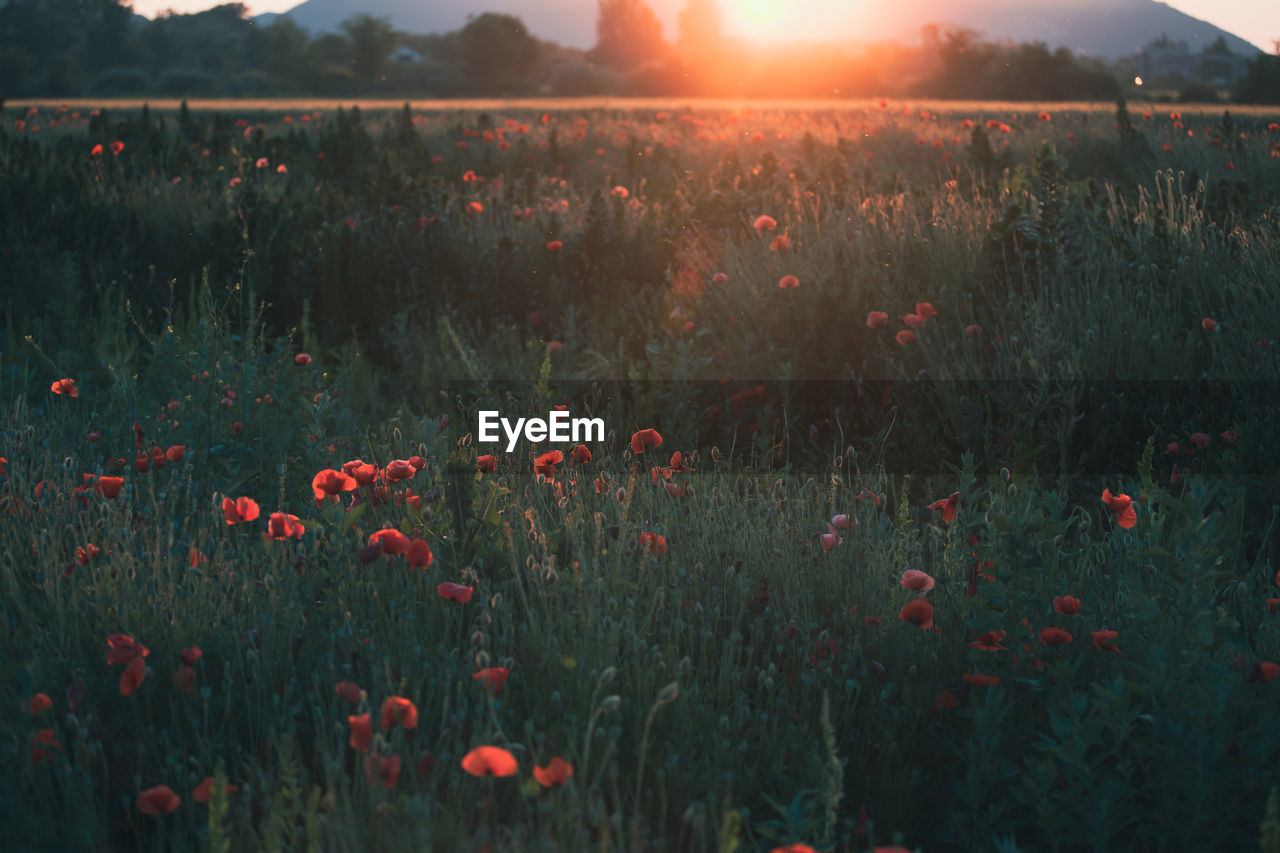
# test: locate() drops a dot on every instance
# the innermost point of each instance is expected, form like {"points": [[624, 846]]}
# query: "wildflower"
{"points": [[948, 506], [109, 487], [1262, 671], [203, 792], [916, 581], [580, 454], [239, 510], [349, 692], [399, 469], [548, 464], [302, 359], [391, 540], [96, 151], [918, 613], [489, 761], [1200, 439], [1103, 640], [281, 526], [977, 679], [158, 800], [65, 387], [418, 555], [619, 192], [554, 245], [37, 704], [1054, 637], [399, 711], [654, 543], [788, 281], [556, 773], [905, 337], [780, 243], [1121, 507], [362, 472], [764, 223], [42, 746], [117, 147], [989, 642], [1208, 324], [361, 732], [876, 319], [455, 592], [644, 439], [329, 483], [384, 769], [972, 329], [830, 539], [493, 678]]}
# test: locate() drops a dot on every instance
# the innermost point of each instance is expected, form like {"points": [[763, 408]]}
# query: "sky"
{"points": [[1256, 21]]}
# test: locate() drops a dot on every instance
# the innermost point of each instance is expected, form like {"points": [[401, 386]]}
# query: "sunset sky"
{"points": [[1257, 21]]}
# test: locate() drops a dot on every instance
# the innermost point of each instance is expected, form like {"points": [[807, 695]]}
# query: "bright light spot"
{"points": [[1137, 81], [754, 18]]}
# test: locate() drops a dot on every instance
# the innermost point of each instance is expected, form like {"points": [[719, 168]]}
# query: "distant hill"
{"points": [[1104, 28]]}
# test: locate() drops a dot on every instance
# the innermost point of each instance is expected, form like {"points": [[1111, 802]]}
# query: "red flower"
{"points": [[117, 147], [644, 439], [42, 746], [158, 800], [876, 319], [548, 463], [110, 487], [1208, 324], [1066, 604], [948, 506], [1200, 439], [556, 773], [580, 454], [330, 483], [925, 311], [486, 464], [122, 649], [779, 243], [990, 642], [361, 732], [554, 245], [764, 223], [238, 510], [37, 704], [399, 469], [492, 678], [1262, 671], [977, 679], [418, 555], [918, 613], [282, 526], [1054, 637], [391, 540], [455, 592], [654, 543], [133, 676], [348, 691], [794, 848], [96, 151], [191, 655], [1121, 507], [175, 453], [1103, 640], [788, 281], [399, 711], [302, 358], [203, 792], [381, 768], [905, 337], [490, 761], [65, 387], [362, 472]]}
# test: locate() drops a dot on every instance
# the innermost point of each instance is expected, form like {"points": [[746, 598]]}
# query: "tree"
{"points": [[371, 39], [628, 34], [497, 53]]}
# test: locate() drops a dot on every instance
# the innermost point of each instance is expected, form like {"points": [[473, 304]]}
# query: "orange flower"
{"points": [[158, 800], [37, 704], [644, 439], [977, 679], [282, 526], [399, 711], [329, 483], [1103, 640], [916, 580], [487, 464], [361, 732], [391, 540], [383, 769], [65, 387], [455, 592], [1066, 604], [418, 555], [1121, 507], [203, 792], [490, 761], [348, 691], [556, 773], [1054, 637], [238, 510], [493, 678], [876, 319], [548, 463], [110, 487], [788, 281], [918, 613], [948, 506]]}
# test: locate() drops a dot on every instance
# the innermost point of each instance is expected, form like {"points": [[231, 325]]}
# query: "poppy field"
{"points": [[934, 510]]}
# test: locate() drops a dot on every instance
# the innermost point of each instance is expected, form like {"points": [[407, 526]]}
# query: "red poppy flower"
{"points": [[175, 453], [977, 679], [158, 800], [109, 487], [945, 702], [654, 543], [133, 676], [876, 319], [329, 483], [65, 387], [948, 506], [644, 439], [764, 223], [580, 454], [455, 592], [556, 773], [989, 642], [788, 281], [282, 526], [85, 554], [490, 761], [1103, 640], [905, 337], [191, 655], [391, 540], [96, 151], [348, 691], [418, 555], [399, 711], [493, 678], [360, 471], [554, 245], [486, 464], [548, 463], [1066, 604], [42, 746], [1208, 324], [779, 243], [384, 769], [1200, 439], [117, 147], [1054, 637], [121, 648], [399, 469], [830, 539], [37, 704], [918, 613], [1121, 507], [203, 792], [1262, 671], [239, 510], [794, 848], [361, 732], [185, 680], [302, 358]]}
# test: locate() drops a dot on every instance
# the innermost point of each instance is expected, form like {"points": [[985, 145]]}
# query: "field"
{"points": [[934, 508]]}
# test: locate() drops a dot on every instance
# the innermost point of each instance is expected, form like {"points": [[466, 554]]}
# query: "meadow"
{"points": [[935, 510]]}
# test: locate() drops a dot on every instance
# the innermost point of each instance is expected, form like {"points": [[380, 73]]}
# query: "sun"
{"points": [[755, 19]]}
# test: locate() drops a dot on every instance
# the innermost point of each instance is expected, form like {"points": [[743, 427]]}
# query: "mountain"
{"points": [[1104, 28]]}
